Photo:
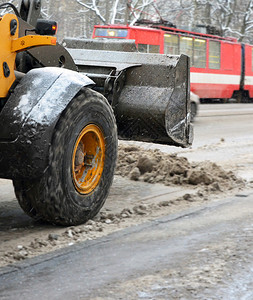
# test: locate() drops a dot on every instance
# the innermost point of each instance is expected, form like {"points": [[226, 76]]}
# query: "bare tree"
{"points": [[137, 9], [94, 7], [77, 17], [116, 12], [231, 17], [247, 22], [7, 10]]}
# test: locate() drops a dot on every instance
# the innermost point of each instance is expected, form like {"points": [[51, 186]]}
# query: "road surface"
{"points": [[201, 251], [198, 254]]}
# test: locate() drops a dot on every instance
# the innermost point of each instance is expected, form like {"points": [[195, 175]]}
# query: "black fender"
{"points": [[29, 117]]}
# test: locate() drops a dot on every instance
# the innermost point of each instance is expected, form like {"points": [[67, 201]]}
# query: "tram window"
{"points": [[144, 48], [199, 57], [109, 32], [214, 55], [186, 45], [171, 44], [154, 49]]}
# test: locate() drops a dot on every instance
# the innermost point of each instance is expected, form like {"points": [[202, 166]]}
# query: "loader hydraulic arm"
{"points": [[12, 44]]}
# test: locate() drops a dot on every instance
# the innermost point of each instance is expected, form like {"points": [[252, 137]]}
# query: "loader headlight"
{"points": [[46, 27]]}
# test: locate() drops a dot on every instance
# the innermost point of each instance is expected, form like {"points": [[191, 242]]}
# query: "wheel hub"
{"points": [[88, 159]]}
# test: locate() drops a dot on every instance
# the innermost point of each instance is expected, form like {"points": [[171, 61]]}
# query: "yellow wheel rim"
{"points": [[88, 159]]}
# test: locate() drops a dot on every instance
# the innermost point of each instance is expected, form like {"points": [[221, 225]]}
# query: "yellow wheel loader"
{"points": [[61, 112]]}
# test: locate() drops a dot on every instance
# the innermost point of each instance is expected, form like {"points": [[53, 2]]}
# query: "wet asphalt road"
{"points": [[202, 254], [156, 260]]}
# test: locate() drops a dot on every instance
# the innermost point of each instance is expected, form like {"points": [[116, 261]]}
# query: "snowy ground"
{"points": [[149, 184]]}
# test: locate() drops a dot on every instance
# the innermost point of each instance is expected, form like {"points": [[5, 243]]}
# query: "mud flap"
{"points": [[29, 117]]}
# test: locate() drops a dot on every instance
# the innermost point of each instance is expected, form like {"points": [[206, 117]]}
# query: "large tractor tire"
{"points": [[82, 160]]}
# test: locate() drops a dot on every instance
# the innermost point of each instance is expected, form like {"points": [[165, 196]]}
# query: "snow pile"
{"points": [[154, 166]]}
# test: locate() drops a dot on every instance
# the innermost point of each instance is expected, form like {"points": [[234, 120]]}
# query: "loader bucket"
{"points": [[148, 92]]}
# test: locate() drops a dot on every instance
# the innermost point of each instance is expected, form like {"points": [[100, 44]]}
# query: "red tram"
{"points": [[221, 68]]}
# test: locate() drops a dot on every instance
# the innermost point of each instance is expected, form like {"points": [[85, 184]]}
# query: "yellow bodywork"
{"points": [[10, 45]]}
